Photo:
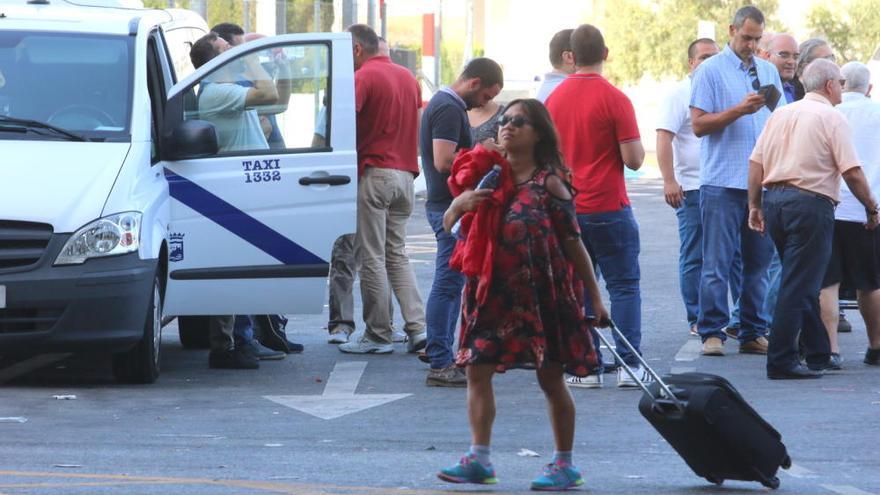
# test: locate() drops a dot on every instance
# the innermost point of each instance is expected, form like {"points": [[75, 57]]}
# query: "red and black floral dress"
{"points": [[533, 314]]}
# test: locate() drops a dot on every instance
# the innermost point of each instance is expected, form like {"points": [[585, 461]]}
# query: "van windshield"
{"points": [[79, 83]]}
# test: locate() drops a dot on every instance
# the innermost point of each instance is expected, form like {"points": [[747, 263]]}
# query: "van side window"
{"points": [[270, 99], [156, 89], [179, 42]]}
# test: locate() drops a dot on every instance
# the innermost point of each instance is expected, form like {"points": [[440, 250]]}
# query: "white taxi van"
{"points": [[119, 208]]}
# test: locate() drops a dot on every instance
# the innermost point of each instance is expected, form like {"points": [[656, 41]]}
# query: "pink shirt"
{"points": [[808, 145]]}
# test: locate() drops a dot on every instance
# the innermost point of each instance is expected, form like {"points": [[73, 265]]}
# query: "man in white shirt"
{"points": [[562, 60], [855, 252], [678, 154]]}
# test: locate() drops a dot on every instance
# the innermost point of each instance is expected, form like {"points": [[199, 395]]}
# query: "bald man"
{"points": [[781, 50]]}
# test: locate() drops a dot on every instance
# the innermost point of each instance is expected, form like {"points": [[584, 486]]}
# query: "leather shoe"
{"points": [[796, 372], [713, 346], [732, 332], [843, 326], [872, 357], [757, 346], [834, 363]]}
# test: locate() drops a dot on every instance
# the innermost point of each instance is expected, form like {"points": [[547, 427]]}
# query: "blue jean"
{"points": [[243, 331], [724, 212], [801, 225], [612, 239], [690, 253], [774, 274], [444, 302]]}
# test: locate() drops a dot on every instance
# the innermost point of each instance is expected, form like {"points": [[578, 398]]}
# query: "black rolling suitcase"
{"points": [[710, 425]]}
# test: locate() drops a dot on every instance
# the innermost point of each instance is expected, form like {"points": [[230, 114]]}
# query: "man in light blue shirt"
{"points": [[729, 113], [562, 59]]}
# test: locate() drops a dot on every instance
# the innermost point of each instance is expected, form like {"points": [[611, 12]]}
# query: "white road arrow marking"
{"points": [[338, 398]]}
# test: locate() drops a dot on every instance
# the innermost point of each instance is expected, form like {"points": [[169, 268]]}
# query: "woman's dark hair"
{"points": [[547, 154]]}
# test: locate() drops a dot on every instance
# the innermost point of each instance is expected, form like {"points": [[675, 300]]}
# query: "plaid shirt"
{"points": [[721, 82]]}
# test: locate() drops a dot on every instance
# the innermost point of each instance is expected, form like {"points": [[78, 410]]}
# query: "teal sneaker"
{"points": [[468, 470], [557, 477]]}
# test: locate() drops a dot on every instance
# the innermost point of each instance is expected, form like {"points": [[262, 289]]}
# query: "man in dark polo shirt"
{"points": [[387, 103], [445, 129]]}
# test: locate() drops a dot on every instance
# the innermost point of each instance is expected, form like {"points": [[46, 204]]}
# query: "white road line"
{"points": [[798, 471], [845, 490], [690, 351], [28, 365]]}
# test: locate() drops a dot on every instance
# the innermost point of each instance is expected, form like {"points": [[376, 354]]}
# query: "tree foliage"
{"points": [[853, 28], [650, 37]]}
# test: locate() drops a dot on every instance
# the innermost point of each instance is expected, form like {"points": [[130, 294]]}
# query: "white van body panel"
{"points": [[62, 183]]}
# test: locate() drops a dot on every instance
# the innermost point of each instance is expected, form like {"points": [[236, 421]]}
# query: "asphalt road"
{"points": [[201, 431]]}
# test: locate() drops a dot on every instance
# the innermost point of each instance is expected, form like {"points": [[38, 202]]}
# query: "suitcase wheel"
{"points": [[772, 483], [714, 480], [786, 462]]}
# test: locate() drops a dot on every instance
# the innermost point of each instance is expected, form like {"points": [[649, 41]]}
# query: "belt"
{"points": [[785, 186]]}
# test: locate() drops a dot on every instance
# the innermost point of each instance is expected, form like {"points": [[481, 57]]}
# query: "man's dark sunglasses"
{"points": [[516, 121], [753, 72]]}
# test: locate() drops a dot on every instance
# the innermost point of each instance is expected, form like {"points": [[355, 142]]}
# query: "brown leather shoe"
{"points": [[757, 346], [713, 346]]}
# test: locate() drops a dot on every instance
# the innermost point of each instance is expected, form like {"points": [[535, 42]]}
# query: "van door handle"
{"points": [[332, 180]]}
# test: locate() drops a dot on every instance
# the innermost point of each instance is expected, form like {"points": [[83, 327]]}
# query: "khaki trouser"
{"points": [[385, 203], [342, 271]]}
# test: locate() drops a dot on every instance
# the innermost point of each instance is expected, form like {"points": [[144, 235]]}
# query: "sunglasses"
{"points": [[516, 121], [753, 72]]}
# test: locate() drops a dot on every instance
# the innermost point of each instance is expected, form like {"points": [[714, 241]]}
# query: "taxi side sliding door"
{"points": [[259, 192]]}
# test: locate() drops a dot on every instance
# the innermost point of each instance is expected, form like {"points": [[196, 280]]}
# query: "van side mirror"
{"points": [[192, 139]]}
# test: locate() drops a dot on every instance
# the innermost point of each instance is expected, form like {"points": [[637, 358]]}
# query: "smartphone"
{"points": [[771, 95]]}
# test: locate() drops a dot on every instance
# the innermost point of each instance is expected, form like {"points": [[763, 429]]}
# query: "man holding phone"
{"points": [[729, 113]]}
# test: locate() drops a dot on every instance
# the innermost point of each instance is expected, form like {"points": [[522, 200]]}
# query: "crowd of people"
{"points": [[752, 146]]}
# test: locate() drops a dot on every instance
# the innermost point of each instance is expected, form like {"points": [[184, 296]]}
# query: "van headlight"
{"points": [[108, 236]]}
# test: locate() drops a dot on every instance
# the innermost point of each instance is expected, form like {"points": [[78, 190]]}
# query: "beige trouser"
{"points": [[385, 202]]}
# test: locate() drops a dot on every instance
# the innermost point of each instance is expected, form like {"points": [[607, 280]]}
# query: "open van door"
{"points": [[256, 207]]}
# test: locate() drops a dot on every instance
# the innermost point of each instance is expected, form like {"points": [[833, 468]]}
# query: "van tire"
{"points": [[194, 333], [140, 364]]}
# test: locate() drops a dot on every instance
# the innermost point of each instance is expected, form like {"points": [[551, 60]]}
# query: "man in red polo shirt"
{"points": [[599, 136], [387, 103]]}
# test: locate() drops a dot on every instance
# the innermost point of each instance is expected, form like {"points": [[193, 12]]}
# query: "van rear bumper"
{"points": [[99, 306]]}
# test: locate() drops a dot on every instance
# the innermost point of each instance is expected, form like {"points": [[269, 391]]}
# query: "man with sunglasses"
{"points": [[799, 159], [729, 113]]}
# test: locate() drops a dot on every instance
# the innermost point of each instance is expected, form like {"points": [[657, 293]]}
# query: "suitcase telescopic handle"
{"points": [[663, 386]]}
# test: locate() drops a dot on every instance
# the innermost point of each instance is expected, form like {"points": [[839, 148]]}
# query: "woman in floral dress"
{"points": [[531, 314]]}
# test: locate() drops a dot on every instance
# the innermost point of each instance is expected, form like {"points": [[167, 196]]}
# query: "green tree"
{"points": [[650, 37], [301, 16], [852, 28]]}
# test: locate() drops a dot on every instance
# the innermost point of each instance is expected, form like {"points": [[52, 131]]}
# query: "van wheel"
{"points": [[140, 364], [194, 332]]}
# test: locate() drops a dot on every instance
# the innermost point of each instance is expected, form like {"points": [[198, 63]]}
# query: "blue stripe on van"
{"points": [[238, 222]]}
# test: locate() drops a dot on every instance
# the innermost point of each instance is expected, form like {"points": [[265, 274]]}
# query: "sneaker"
{"points": [[834, 363], [626, 381], [757, 346], [366, 346], [451, 376], [589, 381], [713, 346], [694, 331], [263, 353], [339, 335], [416, 342], [468, 470], [234, 359], [843, 326], [398, 336], [558, 477], [294, 348], [872, 357]]}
